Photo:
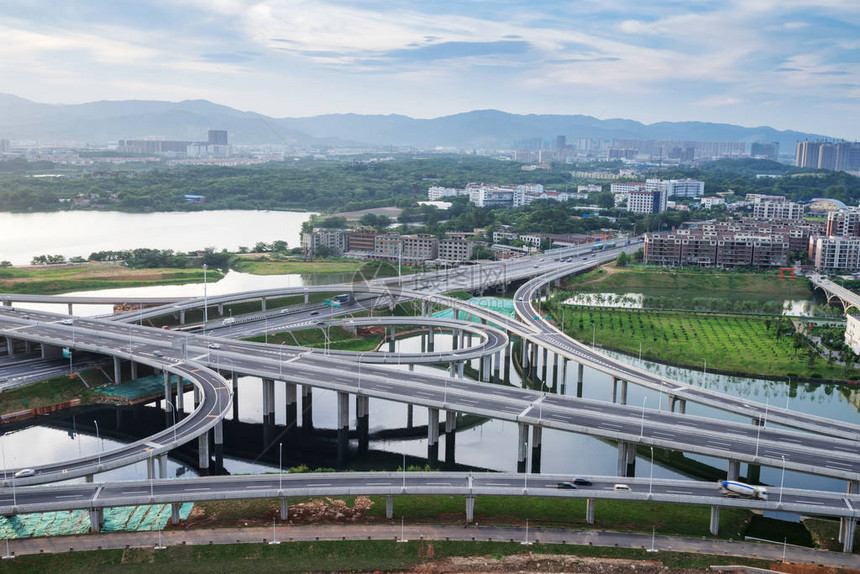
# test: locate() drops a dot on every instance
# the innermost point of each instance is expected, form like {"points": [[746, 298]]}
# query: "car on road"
{"points": [[214, 345], [66, 322], [158, 353], [621, 487], [25, 472], [582, 482], [315, 312], [284, 311], [566, 484]]}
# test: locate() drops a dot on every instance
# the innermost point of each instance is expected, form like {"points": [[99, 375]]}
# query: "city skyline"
{"points": [[788, 64]]}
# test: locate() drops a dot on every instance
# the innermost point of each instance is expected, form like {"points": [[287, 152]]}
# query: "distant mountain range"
{"points": [[98, 123]]}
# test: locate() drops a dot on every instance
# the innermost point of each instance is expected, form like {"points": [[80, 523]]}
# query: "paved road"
{"points": [[411, 532]]}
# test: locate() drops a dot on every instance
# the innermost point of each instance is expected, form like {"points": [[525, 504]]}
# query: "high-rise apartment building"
{"points": [[218, 137]]}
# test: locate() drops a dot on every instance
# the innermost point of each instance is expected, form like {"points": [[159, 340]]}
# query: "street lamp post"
{"points": [[651, 476], [99, 438], [782, 480], [280, 467], [205, 300]]}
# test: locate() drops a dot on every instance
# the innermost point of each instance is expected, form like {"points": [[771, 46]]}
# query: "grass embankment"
{"points": [[90, 276], [731, 343], [257, 265], [52, 392], [340, 339], [321, 556], [689, 283]]}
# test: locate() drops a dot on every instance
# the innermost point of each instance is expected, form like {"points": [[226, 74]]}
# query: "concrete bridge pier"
{"points": [[522, 447], [203, 453], [534, 359], [162, 465], [306, 297], [10, 347], [461, 369], [507, 374], [292, 404], [423, 343], [524, 360], [175, 507], [623, 392], [714, 527], [218, 433], [589, 510], [626, 463], [268, 402], [455, 339], [235, 381], [734, 471], [430, 340], [614, 389], [263, 304], [133, 370], [682, 404], [97, 519], [470, 509], [486, 368], [391, 339], [181, 316], [497, 364], [389, 505], [180, 395], [284, 509], [450, 435], [150, 468], [307, 408], [432, 436], [544, 365], [409, 416], [537, 433], [342, 427], [849, 527], [362, 413], [196, 397], [117, 371], [452, 369], [221, 309]]}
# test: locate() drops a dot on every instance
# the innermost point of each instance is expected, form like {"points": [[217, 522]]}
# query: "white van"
{"points": [[621, 487], [228, 321]]}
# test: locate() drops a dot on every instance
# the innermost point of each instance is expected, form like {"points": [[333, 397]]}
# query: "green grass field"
{"points": [[692, 283], [734, 343]]}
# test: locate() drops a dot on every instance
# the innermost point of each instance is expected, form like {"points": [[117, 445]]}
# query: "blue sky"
{"points": [[791, 64]]}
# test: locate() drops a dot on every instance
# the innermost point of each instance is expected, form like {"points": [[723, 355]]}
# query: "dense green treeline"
{"points": [[303, 184]]}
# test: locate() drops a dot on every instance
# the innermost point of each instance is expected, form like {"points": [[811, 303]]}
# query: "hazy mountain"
{"points": [[101, 122]]}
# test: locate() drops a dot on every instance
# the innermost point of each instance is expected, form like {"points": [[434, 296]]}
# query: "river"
{"points": [[79, 233]]}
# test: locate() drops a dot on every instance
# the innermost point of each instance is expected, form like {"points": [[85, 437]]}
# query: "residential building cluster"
{"points": [[494, 195], [216, 146], [841, 156], [652, 195], [746, 242], [838, 248], [368, 243]]}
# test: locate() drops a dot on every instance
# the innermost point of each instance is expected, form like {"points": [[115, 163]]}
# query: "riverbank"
{"points": [[54, 279]]}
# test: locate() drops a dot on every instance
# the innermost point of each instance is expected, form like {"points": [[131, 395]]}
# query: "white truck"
{"points": [[735, 488]]}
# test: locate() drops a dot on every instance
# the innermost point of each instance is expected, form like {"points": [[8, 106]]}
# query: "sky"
{"points": [[790, 64]]}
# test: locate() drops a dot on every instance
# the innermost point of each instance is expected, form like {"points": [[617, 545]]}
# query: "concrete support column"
{"points": [[614, 389], [180, 394], [554, 363], [342, 426], [221, 309], [88, 478], [623, 392], [432, 435], [196, 396], [534, 359], [626, 463], [470, 509], [168, 395], [589, 510], [307, 408], [268, 401], [133, 371], [391, 339], [579, 372], [97, 519], [450, 435], [682, 406], [455, 340], [162, 465], [117, 371], [524, 361], [174, 512], [284, 508], [182, 316], [452, 368], [486, 368], [150, 468], [497, 363], [409, 416], [537, 432], [10, 347], [306, 297], [430, 340], [672, 400], [522, 446], [734, 472], [235, 396], [292, 404], [263, 304], [203, 452], [389, 507], [714, 527], [544, 364], [848, 526], [362, 413], [70, 309], [461, 369], [218, 433]]}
